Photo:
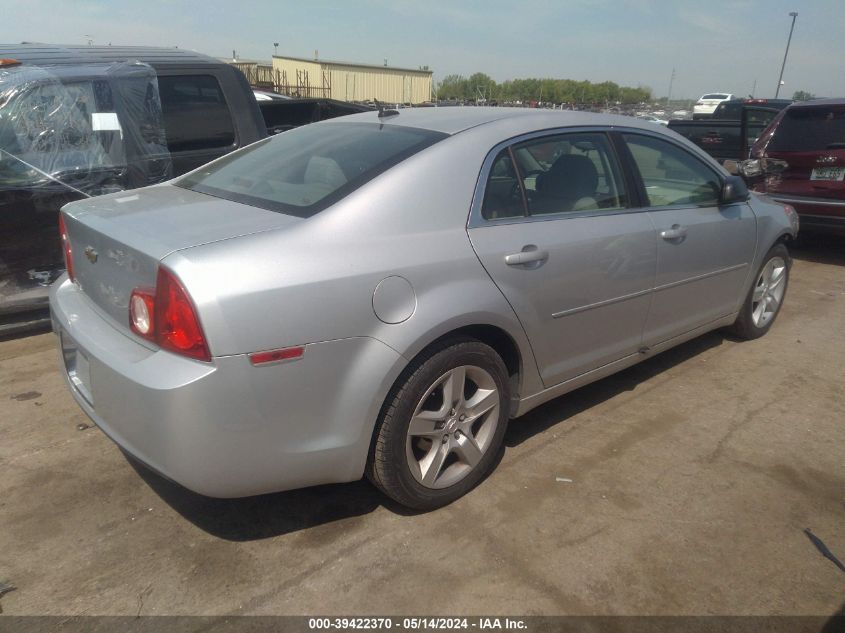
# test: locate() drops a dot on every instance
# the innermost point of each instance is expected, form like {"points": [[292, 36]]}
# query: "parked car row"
{"points": [[733, 128], [800, 160], [793, 152]]}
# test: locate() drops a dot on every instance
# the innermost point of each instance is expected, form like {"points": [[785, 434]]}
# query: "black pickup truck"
{"points": [[734, 127], [88, 120]]}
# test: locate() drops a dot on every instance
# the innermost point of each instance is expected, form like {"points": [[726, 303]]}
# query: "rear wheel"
{"points": [[442, 426], [762, 305]]}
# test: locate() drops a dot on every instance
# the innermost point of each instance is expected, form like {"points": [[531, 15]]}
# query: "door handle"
{"points": [[677, 232], [526, 257]]}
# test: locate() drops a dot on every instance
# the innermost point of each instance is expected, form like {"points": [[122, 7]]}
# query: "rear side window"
{"points": [[671, 175], [303, 171], [810, 130], [196, 116], [565, 173], [570, 173], [502, 195], [728, 110]]}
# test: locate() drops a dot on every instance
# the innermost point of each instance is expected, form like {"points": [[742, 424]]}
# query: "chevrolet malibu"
{"points": [[379, 294]]}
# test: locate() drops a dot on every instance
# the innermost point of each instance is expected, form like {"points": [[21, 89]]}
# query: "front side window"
{"points": [[671, 175], [196, 116], [570, 173], [303, 171]]}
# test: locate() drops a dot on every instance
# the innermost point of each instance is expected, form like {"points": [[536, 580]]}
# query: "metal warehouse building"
{"points": [[351, 82]]}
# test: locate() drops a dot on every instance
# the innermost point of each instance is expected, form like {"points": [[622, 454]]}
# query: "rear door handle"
{"points": [[677, 232], [526, 257]]}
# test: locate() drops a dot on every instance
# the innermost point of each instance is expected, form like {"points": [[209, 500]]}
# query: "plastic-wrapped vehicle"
{"points": [[79, 122]]}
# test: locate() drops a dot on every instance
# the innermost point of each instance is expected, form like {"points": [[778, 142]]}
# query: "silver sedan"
{"points": [[380, 294]]}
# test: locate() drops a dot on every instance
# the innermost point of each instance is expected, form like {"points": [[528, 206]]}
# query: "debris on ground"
{"points": [[4, 589], [823, 549]]}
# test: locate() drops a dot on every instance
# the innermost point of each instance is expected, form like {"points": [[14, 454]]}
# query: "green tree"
{"points": [[481, 87], [452, 87], [801, 95]]}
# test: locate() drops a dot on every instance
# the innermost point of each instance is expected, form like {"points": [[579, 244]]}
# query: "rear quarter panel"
{"points": [[314, 281]]}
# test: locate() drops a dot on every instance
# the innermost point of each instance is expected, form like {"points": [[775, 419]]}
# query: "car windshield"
{"points": [[810, 130], [715, 96], [303, 171]]}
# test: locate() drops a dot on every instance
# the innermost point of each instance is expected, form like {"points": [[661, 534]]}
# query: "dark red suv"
{"points": [[800, 160]]}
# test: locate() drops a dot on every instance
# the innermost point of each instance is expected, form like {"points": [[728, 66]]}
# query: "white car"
{"points": [[707, 103], [653, 119]]}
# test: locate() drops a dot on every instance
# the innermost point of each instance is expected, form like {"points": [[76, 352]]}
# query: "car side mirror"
{"points": [[734, 190]]}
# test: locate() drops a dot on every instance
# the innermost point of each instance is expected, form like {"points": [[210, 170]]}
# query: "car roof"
{"points": [[817, 102], [453, 120], [55, 55]]}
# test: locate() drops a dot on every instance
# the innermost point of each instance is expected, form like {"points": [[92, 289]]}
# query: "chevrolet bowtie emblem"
{"points": [[91, 254]]}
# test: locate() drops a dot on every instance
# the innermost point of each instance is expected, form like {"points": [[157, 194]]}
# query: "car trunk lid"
{"points": [[117, 241]]}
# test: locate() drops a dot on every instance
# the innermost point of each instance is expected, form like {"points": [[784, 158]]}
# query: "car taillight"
{"points": [[792, 216], [66, 247], [167, 317], [142, 312]]}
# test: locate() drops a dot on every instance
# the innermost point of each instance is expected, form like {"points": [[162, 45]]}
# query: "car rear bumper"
{"points": [[225, 428], [818, 214]]}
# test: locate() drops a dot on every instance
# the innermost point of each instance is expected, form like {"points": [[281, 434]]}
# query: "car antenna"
{"points": [[382, 112]]}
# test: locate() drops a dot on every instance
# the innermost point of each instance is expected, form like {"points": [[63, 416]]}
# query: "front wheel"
{"points": [[766, 296], [442, 426]]}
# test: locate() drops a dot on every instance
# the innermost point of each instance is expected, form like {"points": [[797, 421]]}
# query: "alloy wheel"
{"points": [[452, 427], [768, 292]]}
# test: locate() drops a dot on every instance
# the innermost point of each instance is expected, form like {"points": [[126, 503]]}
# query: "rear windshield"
{"points": [[303, 171], [729, 110], [715, 96], [810, 130]]}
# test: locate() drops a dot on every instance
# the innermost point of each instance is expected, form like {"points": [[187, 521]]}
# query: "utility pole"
{"points": [[794, 15], [671, 81]]}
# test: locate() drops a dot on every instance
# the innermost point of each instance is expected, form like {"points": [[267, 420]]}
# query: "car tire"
{"points": [[456, 434], [765, 298]]}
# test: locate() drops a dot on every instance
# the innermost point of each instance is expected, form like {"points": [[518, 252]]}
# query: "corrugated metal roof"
{"points": [[330, 62], [53, 55]]}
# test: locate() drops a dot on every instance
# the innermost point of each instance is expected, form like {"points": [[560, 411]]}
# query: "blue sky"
{"points": [[714, 45]]}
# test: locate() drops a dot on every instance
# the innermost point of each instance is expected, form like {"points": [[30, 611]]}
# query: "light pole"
{"points": [[275, 49], [794, 15]]}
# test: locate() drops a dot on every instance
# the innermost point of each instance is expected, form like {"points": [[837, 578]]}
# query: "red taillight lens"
{"points": [[66, 247], [177, 326], [166, 316]]}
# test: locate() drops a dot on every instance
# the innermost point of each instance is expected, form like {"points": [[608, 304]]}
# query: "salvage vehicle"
{"points": [[800, 160], [379, 294], [733, 129], [82, 121]]}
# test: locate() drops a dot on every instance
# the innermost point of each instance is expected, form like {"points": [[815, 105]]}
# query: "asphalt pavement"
{"points": [[702, 481]]}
